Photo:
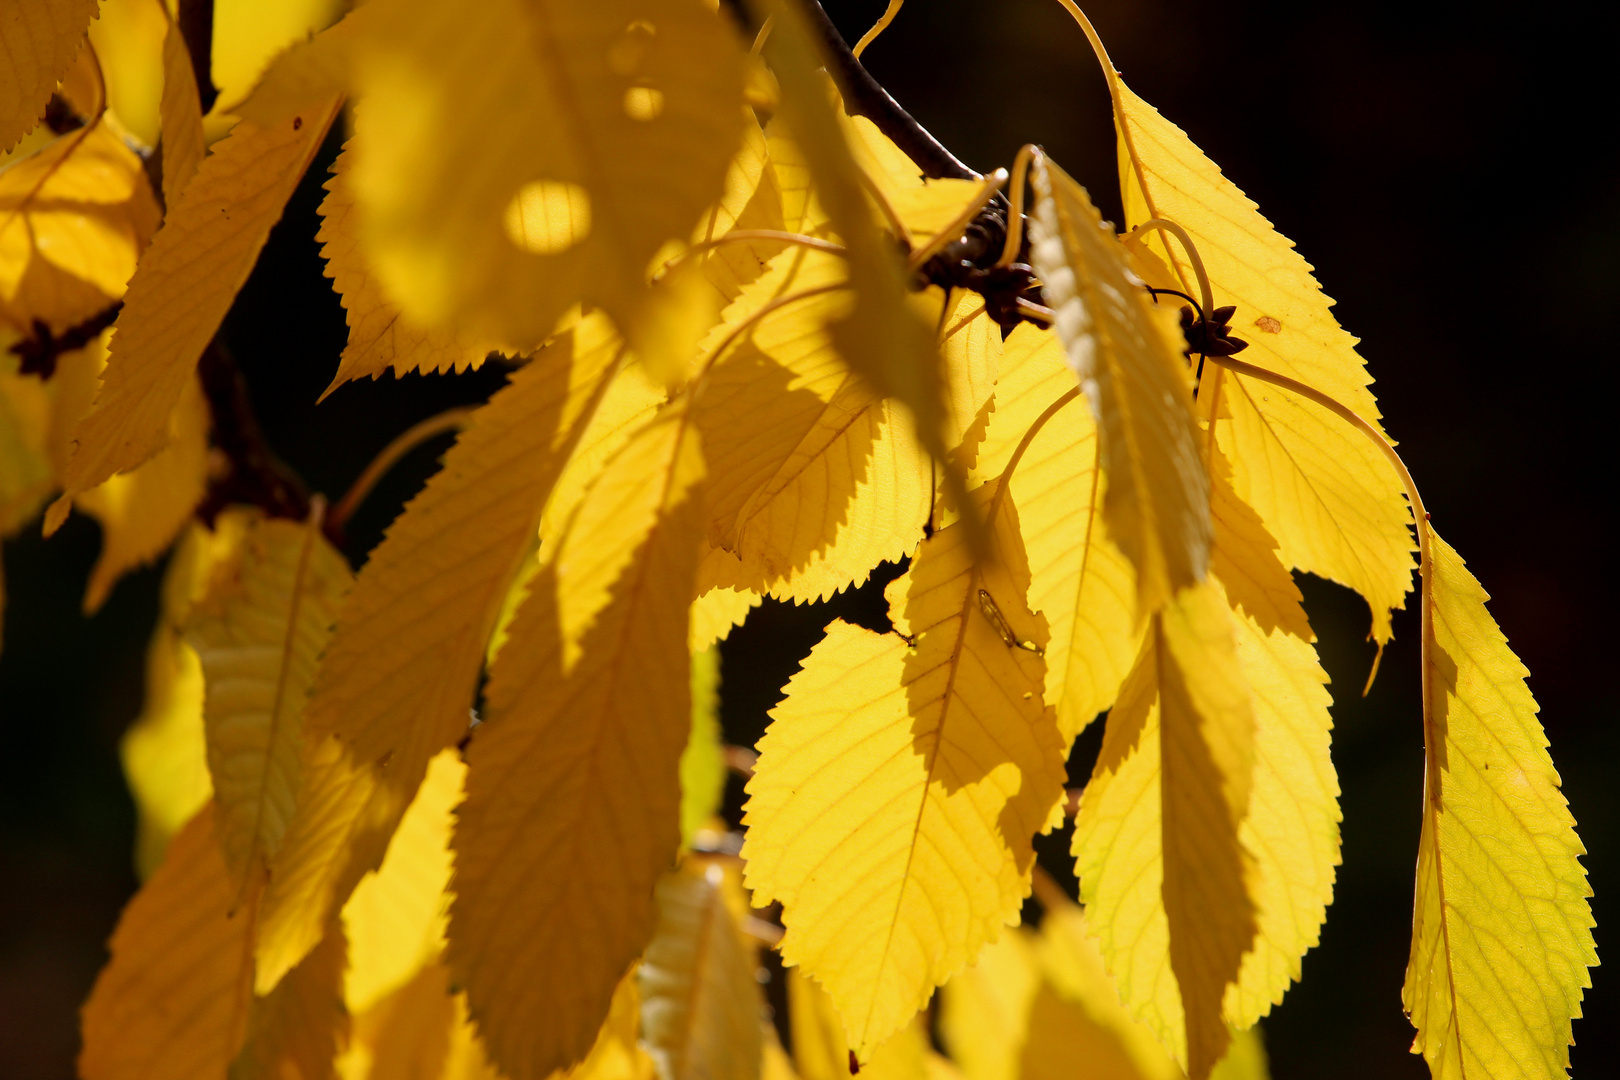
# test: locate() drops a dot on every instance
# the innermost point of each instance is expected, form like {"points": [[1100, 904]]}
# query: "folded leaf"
{"points": [[700, 1003], [1167, 881], [1127, 359], [185, 284], [901, 783], [398, 679], [1502, 928], [258, 634], [39, 39], [1322, 490], [573, 791], [1079, 580], [381, 337], [542, 160], [180, 113]]}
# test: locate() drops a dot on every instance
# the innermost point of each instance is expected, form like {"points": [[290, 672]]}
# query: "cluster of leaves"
{"points": [[731, 380]]}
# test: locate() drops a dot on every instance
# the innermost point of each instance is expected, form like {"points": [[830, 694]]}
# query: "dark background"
{"points": [[1446, 167]]}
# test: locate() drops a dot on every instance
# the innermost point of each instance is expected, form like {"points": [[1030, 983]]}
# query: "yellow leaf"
{"points": [[164, 751], [180, 112], [751, 200], [703, 762], [408, 1034], [395, 917], [1245, 1059], [127, 37], [1245, 558], [776, 1064], [543, 160], [74, 217], [900, 785], [821, 1052], [185, 284], [381, 337], [573, 791], [398, 679], [1166, 879], [1292, 828], [39, 39], [258, 633], [1323, 491], [173, 1000], [881, 339], [1157, 500], [1501, 934], [718, 611], [142, 511], [984, 1013], [249, 35], [1079, 580], [299, 1028], [25, 467], [700, 1003], [817, 479]]}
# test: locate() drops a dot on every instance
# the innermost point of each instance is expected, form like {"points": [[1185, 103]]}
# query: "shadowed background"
{"points": [[1437, 161]]}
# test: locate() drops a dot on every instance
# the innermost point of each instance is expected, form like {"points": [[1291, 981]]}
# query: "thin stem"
{"points": [[886, 207], [763, 36], [410, 439], [1187, 245], [740, 760], [1035, 311], [1034, 430], [987, 191], [1015, 212], [878, 27], [742, 236]]}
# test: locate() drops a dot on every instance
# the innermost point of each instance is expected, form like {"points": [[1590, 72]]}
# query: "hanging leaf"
{"points": [[947, 764], [1127, 359], [573, 793], [1502, 931], [39, 39], [398, 678], [180, 113]]}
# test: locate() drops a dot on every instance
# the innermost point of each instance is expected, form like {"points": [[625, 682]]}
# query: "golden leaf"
{"points": [[985, 1010], [700, 1004], [299, 1028], [703, 762], [381, 337], [573, 792], [398, 679], [395, 917], [1157, 501], [39, 39], [900, 785], [180, 113], [1322, 490], [821, 1052], [173, 1000], [1167, 881], [74, 217], [258, 633], [251, 37], [185, 284], [542, 161], [1079, 580], [1502, 929]]}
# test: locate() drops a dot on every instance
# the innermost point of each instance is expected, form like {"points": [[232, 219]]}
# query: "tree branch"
{"points": [[255, 475]]}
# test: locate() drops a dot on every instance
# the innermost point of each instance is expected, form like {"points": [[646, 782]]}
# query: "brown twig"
{"points": [[253, 474]]}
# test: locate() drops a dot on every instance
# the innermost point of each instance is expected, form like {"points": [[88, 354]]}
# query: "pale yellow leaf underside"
{"points": [[1157, 501], [1502, 931]]}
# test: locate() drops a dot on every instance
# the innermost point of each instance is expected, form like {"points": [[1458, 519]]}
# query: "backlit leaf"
{"points": [[298, 1029], [703, 762], [1168, 884], [39, 39], [1079, 580], [985, 1010], [258, 634], [573, 793], [173, 1000], [180, 112], [1501, 935], [395, 917], [700, 1004], [398, 679], [820, 1049], [1157, 501], [381, 337], [541, 161], [1321, 489], [185, 284], [74, 217], [900, 785], [249, 36]]}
